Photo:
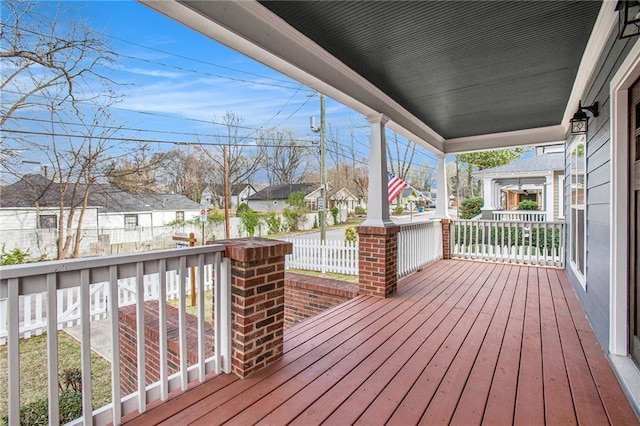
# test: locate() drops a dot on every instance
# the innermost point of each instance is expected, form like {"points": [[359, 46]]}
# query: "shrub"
{"points": [[37, 413], [398, 210], [334, 213], [241, 209], [250, 220], [71, 378], [14, 257], [527, 205], [350, 234], [274, 223], [471, 207], [359, 211]]}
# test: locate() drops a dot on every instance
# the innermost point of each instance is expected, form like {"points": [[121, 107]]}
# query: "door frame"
{"points": [[625, 77]]}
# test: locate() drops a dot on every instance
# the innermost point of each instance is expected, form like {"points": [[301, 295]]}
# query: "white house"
{"points": [[539, 178]]}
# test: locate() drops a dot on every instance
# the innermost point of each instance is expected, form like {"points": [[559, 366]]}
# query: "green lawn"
{"points": [[33, 370]]}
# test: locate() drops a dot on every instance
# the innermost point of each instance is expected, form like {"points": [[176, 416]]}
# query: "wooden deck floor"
{"points": [[461, 343]]}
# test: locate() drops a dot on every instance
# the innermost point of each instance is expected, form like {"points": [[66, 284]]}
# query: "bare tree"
{"points": [[80, 160], [243, 155], [42, 55], [400, 163], [284, 159]]}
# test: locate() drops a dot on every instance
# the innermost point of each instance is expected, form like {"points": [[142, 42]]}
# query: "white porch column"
{"points": [[548, 197], [488, 193], [496, 196], [442, 198], [378, 204]]}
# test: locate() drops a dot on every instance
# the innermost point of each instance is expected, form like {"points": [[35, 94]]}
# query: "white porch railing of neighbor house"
{"points": [[337, 256], [532, 243], [33, 311], [519, 215], [419, 244], [83, 274]]}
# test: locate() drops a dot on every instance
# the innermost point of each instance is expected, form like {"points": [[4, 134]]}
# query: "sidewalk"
{"points": [[100, 337]]}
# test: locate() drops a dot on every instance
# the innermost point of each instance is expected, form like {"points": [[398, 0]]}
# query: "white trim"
{"points": [[629, 377], [624, 78], [537, 136], [561, 196], [605, 23], [581, 276]]}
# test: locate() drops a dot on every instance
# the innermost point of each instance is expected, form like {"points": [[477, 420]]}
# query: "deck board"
{"points": [[461, 342]]}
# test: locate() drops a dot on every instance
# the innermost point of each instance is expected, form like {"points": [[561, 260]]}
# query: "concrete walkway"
{"points": [[100, 337]]}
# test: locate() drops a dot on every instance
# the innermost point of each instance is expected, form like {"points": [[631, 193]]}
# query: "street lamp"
{"points": [[323, 169]]}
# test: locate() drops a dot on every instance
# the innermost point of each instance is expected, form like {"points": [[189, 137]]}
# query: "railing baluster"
{"points": [[13, 351], [52, 350], [162, 328], [224, 306], [182, 324], [115, 345], [85, 347], [201, 319], [140, 337], [217, 315]]}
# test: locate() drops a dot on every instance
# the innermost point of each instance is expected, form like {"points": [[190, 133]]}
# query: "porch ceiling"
{"points": [[447, 74]]}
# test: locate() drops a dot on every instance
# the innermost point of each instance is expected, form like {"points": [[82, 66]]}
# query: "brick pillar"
{"points": [[257, 302], [378, 260], [446, 238]]}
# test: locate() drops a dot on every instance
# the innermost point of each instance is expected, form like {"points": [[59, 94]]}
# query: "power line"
{"points": [[139, 140]]}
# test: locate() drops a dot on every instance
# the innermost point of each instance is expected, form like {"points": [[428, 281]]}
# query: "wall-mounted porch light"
{"points": [[628, 18], [580, 120]]}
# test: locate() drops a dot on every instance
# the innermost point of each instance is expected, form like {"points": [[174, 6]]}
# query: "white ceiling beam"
{"points": [[540, 136]]}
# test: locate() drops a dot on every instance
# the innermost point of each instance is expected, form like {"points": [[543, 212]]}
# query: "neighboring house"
{"points": [[343, 198], [33, 202], [539, 178], [214, 195], [273, 198]]}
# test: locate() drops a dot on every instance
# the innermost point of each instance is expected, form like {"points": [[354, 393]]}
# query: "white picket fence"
{"points": [[335, 256], [33, 314]]}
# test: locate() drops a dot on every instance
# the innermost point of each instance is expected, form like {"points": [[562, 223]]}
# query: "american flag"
{"points": [[396, 186]]}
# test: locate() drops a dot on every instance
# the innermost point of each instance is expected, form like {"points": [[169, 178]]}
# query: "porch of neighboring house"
{"points": [[461, 342]]}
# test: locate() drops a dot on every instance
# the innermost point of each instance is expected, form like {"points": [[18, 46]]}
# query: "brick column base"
{"points": [[378, 260], [257, 302], [446, 238]]}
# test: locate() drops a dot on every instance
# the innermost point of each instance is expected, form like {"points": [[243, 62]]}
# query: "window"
{"points": [[48, 221], [130, 221], [577, 200], [311, 205], [179, 216]]}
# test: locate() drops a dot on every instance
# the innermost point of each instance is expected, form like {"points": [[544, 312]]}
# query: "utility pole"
{"points": [[322, 202]]}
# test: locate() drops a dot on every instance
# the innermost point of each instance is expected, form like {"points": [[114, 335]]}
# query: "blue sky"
{"points": [[176, 80]]}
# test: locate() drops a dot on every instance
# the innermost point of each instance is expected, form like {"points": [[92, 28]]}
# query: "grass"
{"points": [[342, 277], [193, 310], [33, 370]]}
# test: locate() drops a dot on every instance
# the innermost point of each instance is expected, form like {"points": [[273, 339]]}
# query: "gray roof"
{"points": [[32, 188], [282, 192], [539, 163]]}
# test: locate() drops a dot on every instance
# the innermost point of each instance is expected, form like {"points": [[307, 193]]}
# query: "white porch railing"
{"points": [[84, 274], [419, 244], [33, 311], [519, 215], [337, 256], [533, 243]]}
